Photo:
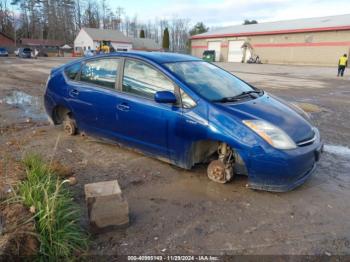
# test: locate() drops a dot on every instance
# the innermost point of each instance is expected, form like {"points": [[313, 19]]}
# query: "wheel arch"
{"points": [[202, 150], [59, 113]]}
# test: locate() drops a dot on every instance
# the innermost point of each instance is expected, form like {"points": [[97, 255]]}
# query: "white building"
{"points": [[93, 38]]}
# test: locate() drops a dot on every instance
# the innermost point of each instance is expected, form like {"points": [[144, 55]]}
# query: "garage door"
{"points": [[217, 47], [235, 51]]}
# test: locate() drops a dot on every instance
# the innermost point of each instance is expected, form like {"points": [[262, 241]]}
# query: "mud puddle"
{"points": [[31, 106], [338, 150]]}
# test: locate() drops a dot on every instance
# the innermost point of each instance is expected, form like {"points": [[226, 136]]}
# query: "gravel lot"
{"points": [[174, 211]]}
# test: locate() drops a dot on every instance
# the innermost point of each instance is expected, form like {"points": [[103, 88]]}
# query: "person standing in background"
{"points": [[343, 62]]}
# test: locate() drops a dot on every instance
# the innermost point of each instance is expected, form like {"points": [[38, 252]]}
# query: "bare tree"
{"points": [[62, 20], [6, 20]]}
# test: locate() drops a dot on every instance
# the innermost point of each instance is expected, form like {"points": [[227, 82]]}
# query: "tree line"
{"points": [[62, 20]]}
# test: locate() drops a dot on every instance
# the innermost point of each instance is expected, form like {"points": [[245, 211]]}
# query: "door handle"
{"points": [[74, 92], [123, 107]]}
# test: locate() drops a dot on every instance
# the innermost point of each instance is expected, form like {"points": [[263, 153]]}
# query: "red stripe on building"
{"points": [[199, 46], [347, 43], [276, 32]]}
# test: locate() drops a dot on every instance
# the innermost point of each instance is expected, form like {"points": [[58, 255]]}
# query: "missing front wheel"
{"points": [[221, 170]]}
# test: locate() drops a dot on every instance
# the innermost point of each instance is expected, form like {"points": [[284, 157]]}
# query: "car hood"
{"points": [[275, 111]]}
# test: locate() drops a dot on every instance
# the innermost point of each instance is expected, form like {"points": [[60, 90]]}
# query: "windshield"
{"points": [[2, 49], [208, 80]]}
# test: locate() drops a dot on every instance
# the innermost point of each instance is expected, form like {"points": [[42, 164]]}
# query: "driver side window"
{"points": [[143, 80]]}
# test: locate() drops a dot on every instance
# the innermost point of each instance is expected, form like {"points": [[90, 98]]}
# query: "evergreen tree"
{"points": [[199, 28], [166, 42], [249, 22], [142, 33]]}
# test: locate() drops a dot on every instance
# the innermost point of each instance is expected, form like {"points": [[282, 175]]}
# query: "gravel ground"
{"points": [[174, 211]]}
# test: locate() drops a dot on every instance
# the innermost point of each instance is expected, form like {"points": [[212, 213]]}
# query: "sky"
{"points": [[217, 13]]}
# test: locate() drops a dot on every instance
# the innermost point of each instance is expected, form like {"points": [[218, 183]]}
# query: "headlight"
{"points": [[273, 135]]}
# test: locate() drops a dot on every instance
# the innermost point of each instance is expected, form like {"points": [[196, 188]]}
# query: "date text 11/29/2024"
{"points": [[173, 258]]}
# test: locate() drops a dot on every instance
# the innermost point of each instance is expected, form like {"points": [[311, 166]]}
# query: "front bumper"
{"points": [[281, 171]]}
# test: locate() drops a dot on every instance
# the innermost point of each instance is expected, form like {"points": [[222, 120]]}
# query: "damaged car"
{"points": [[185, 111]]}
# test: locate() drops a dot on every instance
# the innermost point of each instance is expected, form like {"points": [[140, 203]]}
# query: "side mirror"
{"points": [[165, 97]]}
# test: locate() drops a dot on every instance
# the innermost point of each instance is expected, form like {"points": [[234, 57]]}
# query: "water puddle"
{"points": [[308, 107], [338, 150], [31, 106]]}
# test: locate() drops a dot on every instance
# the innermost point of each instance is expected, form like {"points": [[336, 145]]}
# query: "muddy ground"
{"points": [[174, 211]]}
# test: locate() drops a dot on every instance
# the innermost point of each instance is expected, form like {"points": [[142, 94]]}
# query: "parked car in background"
{"points": [[43, 53], [209, 55], [3, 52], [25, 53], [187, 111], [16, 52]]}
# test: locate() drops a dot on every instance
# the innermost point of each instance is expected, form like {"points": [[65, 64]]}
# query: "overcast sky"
{"points": [[216, 13]]}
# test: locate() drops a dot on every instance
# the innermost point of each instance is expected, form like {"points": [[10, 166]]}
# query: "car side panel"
{"points": [[55, 94]]}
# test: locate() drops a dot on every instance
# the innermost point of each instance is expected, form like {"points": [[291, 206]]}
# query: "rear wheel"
{"points": [[62, 116], [70, 126]]}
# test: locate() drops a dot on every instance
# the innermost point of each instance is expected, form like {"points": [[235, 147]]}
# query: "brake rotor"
{"points": [[216, 172], [70, 127]]}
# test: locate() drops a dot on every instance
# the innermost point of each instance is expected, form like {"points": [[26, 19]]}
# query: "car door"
{"points": [[93, 98], [141, 120]]}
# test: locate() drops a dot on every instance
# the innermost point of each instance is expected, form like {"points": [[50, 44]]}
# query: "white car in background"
{"points": [[16, 52]]}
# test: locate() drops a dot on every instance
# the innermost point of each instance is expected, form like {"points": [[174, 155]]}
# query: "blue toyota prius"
{"points": [[185, 111]]}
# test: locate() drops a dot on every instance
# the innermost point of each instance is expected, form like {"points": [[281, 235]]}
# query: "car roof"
{"points": [[157, 57]]}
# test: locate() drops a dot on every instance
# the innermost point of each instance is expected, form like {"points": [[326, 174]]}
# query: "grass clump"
{"points": [[56, 215]]}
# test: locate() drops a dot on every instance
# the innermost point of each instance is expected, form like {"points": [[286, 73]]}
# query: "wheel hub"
{"points": [[217, 172], [69, 127]]}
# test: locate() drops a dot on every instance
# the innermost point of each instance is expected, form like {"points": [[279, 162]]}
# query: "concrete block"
{"points": [[106, 206]]}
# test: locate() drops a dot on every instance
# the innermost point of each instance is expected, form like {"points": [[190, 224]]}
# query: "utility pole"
{"points": [[14, 23], [119, 12]]}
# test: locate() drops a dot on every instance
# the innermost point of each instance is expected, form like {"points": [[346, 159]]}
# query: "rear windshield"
{"points": [[209, 81], [27, 50], [2, 49]]}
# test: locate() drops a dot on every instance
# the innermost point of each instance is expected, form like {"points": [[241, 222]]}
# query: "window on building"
{"points": [[143, 80], [102, 72]]}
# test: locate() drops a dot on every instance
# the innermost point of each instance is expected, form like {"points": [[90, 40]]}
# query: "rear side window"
{"points": [[72, 71], [102, 72], [143, 80]]}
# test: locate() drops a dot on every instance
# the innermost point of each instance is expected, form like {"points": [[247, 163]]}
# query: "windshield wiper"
{"points": [[258, 91], [239, 97]]}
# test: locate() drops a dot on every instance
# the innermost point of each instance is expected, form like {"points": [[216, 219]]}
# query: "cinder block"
{"points": [[106, 206]]}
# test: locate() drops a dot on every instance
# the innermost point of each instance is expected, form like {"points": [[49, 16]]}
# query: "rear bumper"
{"points": [[281, 171]]}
